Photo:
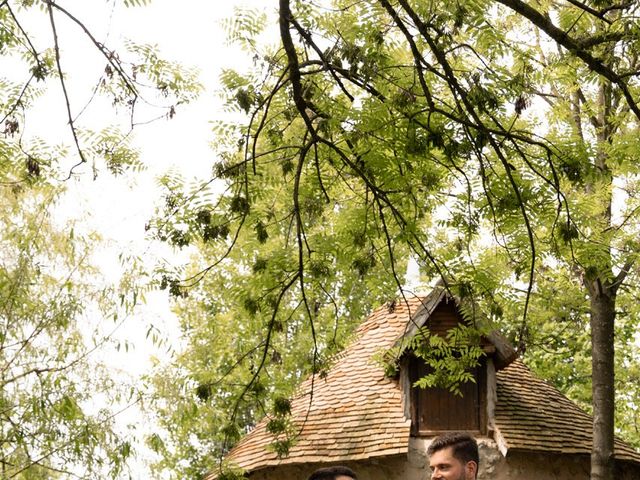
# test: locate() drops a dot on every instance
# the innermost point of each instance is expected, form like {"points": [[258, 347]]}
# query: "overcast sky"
{"points": [[188, 31]]}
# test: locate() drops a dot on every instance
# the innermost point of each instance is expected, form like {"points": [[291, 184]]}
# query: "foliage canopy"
{"points": [[58, 402], [495, 143]]}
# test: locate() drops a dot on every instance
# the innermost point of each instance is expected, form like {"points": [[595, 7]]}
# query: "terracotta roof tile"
{"points": [[533, 415], [356, 412]]}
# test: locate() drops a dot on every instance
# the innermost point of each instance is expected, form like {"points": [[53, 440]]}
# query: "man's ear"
{"points": [[471, 469]]}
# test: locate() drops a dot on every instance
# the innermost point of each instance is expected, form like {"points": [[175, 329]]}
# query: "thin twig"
{"points": [[64, 91]]}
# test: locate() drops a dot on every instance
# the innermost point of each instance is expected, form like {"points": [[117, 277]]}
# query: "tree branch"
{"points": [[285, 18], [575, 47], [108, 55], [64, 91]]}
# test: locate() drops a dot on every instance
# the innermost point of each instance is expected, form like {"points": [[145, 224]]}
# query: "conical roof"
{"points": [[357, 412]]}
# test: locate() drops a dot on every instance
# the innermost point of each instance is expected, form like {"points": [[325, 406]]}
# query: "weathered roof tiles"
{"points": [[357, 412]]}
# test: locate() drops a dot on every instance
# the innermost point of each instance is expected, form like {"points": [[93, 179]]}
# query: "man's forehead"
{"points": [[343, 477], [444, 454]]}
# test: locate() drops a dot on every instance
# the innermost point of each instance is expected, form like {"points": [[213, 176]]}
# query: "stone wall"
{"points": [[493, 466], [389, 468]]}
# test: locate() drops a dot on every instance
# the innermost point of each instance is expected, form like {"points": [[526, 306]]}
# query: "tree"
{"points": [[496, 142], [49, 424], [59, 402]]}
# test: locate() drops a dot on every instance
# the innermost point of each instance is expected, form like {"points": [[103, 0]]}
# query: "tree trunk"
{"points": [[603, 302]]}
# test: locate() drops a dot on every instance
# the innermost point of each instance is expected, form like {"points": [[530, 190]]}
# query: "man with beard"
{"points": [[453, 456]]}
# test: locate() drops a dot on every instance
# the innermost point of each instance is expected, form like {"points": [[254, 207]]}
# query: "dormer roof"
{"points": [[502, 352]]}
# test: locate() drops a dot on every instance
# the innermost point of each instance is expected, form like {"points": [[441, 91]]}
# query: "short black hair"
{"points": [[463, 446], [331, 473]]}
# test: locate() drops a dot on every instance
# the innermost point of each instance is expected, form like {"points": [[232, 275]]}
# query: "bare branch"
{"points": [[589, 10], [575, 47], [285, 18], [64, 91], [109, 56], [622, 275], [34, 52]]}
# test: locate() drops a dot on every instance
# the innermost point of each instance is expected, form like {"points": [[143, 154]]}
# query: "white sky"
{"points": [[188, 31]]}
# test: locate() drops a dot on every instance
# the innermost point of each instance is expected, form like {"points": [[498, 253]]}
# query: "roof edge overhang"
{"points": [[504, 449]]}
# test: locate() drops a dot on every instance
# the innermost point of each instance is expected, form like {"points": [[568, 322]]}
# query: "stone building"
{"points": [[380, 426]]}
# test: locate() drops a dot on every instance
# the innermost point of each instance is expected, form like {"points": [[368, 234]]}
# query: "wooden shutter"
{"points": [[436, 409]]}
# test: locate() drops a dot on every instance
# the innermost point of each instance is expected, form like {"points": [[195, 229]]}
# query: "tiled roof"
{"points": [[532, 415], [357, 412]]}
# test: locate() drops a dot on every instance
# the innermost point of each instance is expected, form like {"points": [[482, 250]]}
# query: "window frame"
{"points": [[416, 394]]}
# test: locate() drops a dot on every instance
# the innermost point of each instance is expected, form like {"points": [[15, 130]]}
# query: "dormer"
{"points": [[435, 410]]}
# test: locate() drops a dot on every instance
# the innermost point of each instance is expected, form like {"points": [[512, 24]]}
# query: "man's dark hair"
{"points": [[331, 473], [463, 446]]}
